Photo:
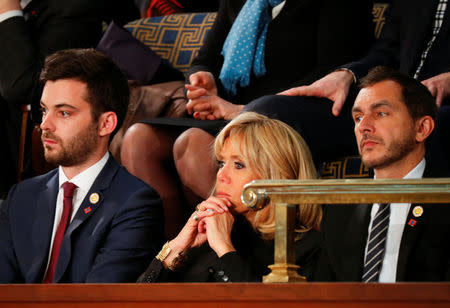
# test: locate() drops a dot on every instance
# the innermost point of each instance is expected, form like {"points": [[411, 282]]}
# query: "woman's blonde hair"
{"points": [[273, 150]]}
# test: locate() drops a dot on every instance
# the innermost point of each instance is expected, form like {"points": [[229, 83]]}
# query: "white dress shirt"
{"points": [[397, 221], [84, 181]]}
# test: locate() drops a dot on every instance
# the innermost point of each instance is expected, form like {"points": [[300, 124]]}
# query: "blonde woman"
{"points": [[223, 240]]}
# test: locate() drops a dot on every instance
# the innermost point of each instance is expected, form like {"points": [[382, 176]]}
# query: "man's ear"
{"points": [[107, 122], [424, 127]]}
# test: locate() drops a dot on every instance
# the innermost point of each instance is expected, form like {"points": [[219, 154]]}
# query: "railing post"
{"points": [[284, 268]]}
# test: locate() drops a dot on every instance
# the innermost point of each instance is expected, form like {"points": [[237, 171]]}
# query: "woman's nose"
{"points": [[222, 174]]}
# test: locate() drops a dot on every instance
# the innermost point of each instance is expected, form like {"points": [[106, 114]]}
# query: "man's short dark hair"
{"points": [[416, 97], [107, 87]]}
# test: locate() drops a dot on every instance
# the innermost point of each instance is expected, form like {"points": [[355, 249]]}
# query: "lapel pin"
{"points": [[94, 198], [412, 222], [87, 210], [417, 211]]}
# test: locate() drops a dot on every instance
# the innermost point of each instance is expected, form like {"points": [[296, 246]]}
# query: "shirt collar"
{"points": [[85, 179], [24, 3], [416, 172]]}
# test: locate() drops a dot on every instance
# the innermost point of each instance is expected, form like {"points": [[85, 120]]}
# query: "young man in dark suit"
{"points": [[394, 116], [89, 220]]}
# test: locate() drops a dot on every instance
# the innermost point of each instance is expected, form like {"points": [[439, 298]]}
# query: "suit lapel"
{"points": [[93, 200], [412, 229], [42, 229]]}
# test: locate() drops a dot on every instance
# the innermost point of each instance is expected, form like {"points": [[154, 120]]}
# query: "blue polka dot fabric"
{"points": [[243, 50]]}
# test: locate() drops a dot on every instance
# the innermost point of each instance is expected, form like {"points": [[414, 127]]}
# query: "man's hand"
{"points": [[204, 80], [204, 105], [9, 5], [334, 86], [439, 86]]}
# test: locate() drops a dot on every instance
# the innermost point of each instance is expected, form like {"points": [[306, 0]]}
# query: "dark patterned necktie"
{"points": [[376, 244], [69, 189]]}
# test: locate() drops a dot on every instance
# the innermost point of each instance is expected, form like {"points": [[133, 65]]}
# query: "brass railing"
{"points": [[285, 194]]}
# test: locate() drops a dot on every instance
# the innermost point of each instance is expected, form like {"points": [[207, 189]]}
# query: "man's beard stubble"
{"points": [[73, 151], [396, 151]]}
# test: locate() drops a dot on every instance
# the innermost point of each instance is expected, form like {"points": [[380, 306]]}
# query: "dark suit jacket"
{"points": [[424, 251], [50, 25], [112, 241], [247, 264], [405, 36], [306, 40]]}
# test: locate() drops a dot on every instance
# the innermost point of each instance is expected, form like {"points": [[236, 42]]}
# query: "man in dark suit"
{"points": [[88, 220], [30, 31], [393, 116], [415, 40]]}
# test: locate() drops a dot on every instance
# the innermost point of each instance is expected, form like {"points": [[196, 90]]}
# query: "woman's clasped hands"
{"points": [[212, 222]]}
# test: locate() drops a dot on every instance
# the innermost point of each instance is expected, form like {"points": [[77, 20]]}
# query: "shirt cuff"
{"points": [[10, 14]]}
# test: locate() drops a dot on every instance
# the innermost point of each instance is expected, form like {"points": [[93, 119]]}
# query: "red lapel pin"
{"points": [[412, 222], [87, 210]]}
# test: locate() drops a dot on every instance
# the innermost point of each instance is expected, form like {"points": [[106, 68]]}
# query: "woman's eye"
{"points": [[65, 114], [239, 165], [220, 164]]}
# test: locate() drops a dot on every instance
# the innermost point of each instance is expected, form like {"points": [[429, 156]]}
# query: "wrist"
{"points": [[177, 246], [237, 109], [224, 249], [350, 76], [171, 257]]}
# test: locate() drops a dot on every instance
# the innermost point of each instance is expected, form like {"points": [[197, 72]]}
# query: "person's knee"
{"points": [[191, 151], [265, 105], [186, 146], [135, 140]]}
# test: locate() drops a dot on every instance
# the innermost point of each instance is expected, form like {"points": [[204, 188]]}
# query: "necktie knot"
{"points": [[69, 189]]}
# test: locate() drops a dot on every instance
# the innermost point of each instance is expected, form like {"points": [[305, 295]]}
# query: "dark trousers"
{"points": [[327, 136]]}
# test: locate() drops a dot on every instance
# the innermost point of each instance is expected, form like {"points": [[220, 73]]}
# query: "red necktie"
{"points": [[69, 189]]}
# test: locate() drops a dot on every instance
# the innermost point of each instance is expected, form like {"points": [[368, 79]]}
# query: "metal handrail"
{"points": [[285, 194]]}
